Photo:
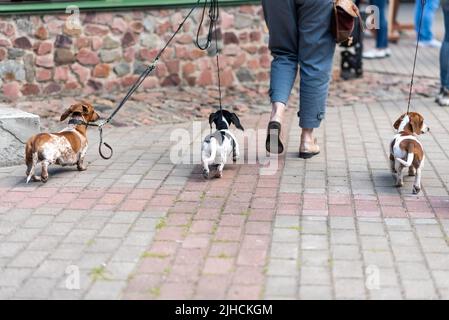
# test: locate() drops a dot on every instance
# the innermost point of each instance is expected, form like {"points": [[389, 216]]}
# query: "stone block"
{"points": [[15, 128]]}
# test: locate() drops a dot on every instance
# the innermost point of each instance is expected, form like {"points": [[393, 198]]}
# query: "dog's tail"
{"points": [[213, 150], [409, 161], [31, 159]]}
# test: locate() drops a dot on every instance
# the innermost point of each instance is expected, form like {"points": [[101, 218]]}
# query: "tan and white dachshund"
{"points": [[406, 151], [66, 148]]}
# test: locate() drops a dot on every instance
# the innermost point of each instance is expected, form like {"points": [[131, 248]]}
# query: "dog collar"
{"points": [[78, 122]]}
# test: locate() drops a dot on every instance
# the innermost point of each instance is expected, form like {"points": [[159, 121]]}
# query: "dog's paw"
{"points": [[44, 179], [416, 189], [219, 174], [399, 184], [82, 168], [206, 174]]}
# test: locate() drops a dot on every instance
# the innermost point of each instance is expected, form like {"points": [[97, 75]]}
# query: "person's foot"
{"points": [[308, 149], [434, 43], [273, 143], [377, 53], [443, 98]]}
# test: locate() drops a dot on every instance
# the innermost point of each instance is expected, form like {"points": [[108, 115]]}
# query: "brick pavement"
{"points": [[141, 227]]}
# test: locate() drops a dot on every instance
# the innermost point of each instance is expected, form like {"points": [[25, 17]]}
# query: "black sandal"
{"points": [[274, 132]]}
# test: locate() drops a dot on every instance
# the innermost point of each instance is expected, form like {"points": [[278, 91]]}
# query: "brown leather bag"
{"points": [[343, 20]]}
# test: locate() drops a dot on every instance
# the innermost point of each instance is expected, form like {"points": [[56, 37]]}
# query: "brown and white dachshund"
{"points": [[406, 151], [66, 148]]}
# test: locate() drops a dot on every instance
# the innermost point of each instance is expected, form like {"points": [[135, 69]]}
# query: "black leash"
{"points": [[213, 15], [423, 3]]}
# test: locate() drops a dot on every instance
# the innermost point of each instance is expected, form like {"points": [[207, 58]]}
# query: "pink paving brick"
{"points": [[31, 203], [154, 265], [44, 192], [184, 273], [235, 208], [390, 200], [63, 198], [202, 226], [164, 247], [252, 257], [339, 199], [196, 241], [112, 198], [266, 192], [337, 210], [212, 286], [133, 205], [91, 194], [238, 292], [366, 205], [230, 220], [163, 200], [141, 194], [190, 256], [218, 266], [170, 233], [288, 209], [258, 227], [421, 214], [261, 215], [207, 214], [393, 212], [178, 219], [184, 207], [248, 275], [228, 233], [140, 283], [176, 291], [263, 203], [14, 196], [224, 249], [192, 196], [315, 204], [256, 242]]}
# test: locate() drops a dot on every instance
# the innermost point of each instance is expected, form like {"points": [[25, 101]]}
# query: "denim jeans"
{"points": [[382, 32], [429, 13], [444, 54], [300, 34]]}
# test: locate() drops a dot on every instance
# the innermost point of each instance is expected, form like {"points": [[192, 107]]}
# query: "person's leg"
{"points": [[382, 32], [444, 53], [283, 43], [428, 12], [316, 51]]}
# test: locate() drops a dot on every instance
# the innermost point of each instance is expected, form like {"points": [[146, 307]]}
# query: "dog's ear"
{"points": [[212, 118], [398, 122], [236, 121], [416, 122], [67, 113]]}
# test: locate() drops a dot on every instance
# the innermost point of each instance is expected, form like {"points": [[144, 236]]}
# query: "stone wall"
{"points": [[51, 54]]}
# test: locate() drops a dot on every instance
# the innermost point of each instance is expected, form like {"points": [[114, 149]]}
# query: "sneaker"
{"points": [[443, 98], [434, 43], [377, 53]]}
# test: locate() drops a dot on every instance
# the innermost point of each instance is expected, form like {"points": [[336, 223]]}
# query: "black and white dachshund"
{"points": [[222, 143]]}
